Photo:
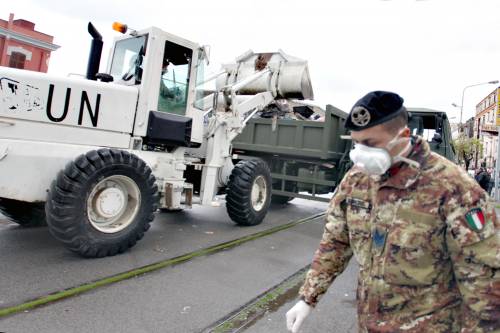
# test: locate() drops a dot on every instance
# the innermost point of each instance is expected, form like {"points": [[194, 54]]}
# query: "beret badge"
{"points": [[360, 116]]}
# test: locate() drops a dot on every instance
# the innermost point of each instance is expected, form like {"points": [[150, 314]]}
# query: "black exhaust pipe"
{"points": [[95, 52]]}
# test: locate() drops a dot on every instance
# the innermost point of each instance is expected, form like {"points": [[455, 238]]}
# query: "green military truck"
{"points": [[308, 159]]}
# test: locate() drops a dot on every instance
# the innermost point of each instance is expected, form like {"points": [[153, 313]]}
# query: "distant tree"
{"points": [[466, 149]]}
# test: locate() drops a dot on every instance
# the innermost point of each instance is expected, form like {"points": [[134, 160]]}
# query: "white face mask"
{"points": [[376, 161]]}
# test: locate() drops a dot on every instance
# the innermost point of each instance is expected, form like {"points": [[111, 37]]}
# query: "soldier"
{"points": [[424, 234], [483, 177]]}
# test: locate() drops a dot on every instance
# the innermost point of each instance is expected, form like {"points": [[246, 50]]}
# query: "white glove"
{"points": [[296, 315]]}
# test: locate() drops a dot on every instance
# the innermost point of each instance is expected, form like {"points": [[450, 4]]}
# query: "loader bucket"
{"points": [[289, 76]]}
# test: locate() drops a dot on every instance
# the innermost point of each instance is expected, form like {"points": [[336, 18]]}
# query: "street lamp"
{"points": [[463, 94], [459, 125], [455, 105]]}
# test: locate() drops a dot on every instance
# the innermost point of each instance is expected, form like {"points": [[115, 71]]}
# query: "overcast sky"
{"points": [[427, 51]]}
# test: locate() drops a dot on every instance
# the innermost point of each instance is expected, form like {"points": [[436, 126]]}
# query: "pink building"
{"points": [[21, 46]]}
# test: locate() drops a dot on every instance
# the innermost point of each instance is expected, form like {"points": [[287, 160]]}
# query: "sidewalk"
{"points": [[336, 312]]}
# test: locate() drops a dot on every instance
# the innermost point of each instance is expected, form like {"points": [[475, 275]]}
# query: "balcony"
{"points": [[489, 128]]}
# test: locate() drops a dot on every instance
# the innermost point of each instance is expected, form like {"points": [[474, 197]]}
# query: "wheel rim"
{"points": [[259, 193], [113, 204]]}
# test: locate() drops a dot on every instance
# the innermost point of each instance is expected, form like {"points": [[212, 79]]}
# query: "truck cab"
{"points": [[433, 126]]}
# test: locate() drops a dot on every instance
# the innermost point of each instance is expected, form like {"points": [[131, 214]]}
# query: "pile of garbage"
{"points": [[293, 110]]}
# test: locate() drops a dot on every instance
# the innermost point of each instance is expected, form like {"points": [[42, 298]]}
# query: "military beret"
{"points": [[374, 108]]}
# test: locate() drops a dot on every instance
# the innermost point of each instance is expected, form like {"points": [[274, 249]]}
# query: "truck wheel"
{"points": [[281, 199], [26, 214], [249, 192], [102, 203]]}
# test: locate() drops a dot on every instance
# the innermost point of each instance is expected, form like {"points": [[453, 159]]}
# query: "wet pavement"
{"points": [[184, 298], [189, 297], [336, 312], [34, 264]]}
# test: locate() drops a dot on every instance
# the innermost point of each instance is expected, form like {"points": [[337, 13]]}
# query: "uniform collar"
{"points": [[405, 175]]}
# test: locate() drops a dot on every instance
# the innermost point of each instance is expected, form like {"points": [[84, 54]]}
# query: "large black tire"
{"points": [[74, 199], [240, 206], [26, 214]]}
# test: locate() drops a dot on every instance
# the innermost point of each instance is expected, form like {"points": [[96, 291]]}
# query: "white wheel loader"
{"points": [[96, 157]]}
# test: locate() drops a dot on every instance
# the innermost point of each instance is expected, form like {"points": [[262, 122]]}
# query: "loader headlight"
{"points": [[120, 27]]}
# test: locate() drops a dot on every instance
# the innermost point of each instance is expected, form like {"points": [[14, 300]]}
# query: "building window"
{"points": [[17, 60]]}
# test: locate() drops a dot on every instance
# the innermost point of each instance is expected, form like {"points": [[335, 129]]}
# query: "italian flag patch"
{"points": [[475, 219]]}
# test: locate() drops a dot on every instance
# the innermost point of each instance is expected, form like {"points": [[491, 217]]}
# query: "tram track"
{"points": [[269, 301], [165, 263]]}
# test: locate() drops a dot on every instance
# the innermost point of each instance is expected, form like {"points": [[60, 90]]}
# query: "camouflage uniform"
{"points": [[422, 267]]}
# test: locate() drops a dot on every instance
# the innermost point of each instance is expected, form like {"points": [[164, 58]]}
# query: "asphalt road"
{"points": [[183, 298], [33, 263]]}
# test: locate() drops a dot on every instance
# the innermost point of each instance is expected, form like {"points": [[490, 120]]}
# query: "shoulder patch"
{"points": [[475, 219], [355, 202]]}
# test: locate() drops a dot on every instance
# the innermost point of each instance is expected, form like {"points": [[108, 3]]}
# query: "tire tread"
{"points": [[66, 199], [239, 192]]}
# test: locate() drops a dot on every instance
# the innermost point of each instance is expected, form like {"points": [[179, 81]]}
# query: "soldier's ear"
{"points": [[406, 132]]}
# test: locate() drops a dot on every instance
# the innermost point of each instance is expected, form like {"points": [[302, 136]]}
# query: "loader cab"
{"points": [[166, 70]]}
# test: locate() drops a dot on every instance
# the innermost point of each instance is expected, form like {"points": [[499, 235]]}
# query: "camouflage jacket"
{"points": [[427, 242]]}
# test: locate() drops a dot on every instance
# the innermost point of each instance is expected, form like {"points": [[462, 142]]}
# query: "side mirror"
{"points": [[437, 138], [205, 49], [138, 65]]}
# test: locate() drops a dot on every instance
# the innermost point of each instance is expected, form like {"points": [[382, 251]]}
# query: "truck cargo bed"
{"points": [[296, 138], [307, 158]]}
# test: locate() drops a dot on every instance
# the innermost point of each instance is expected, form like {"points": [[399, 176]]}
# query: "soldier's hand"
{"points": [[296, 315]]}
